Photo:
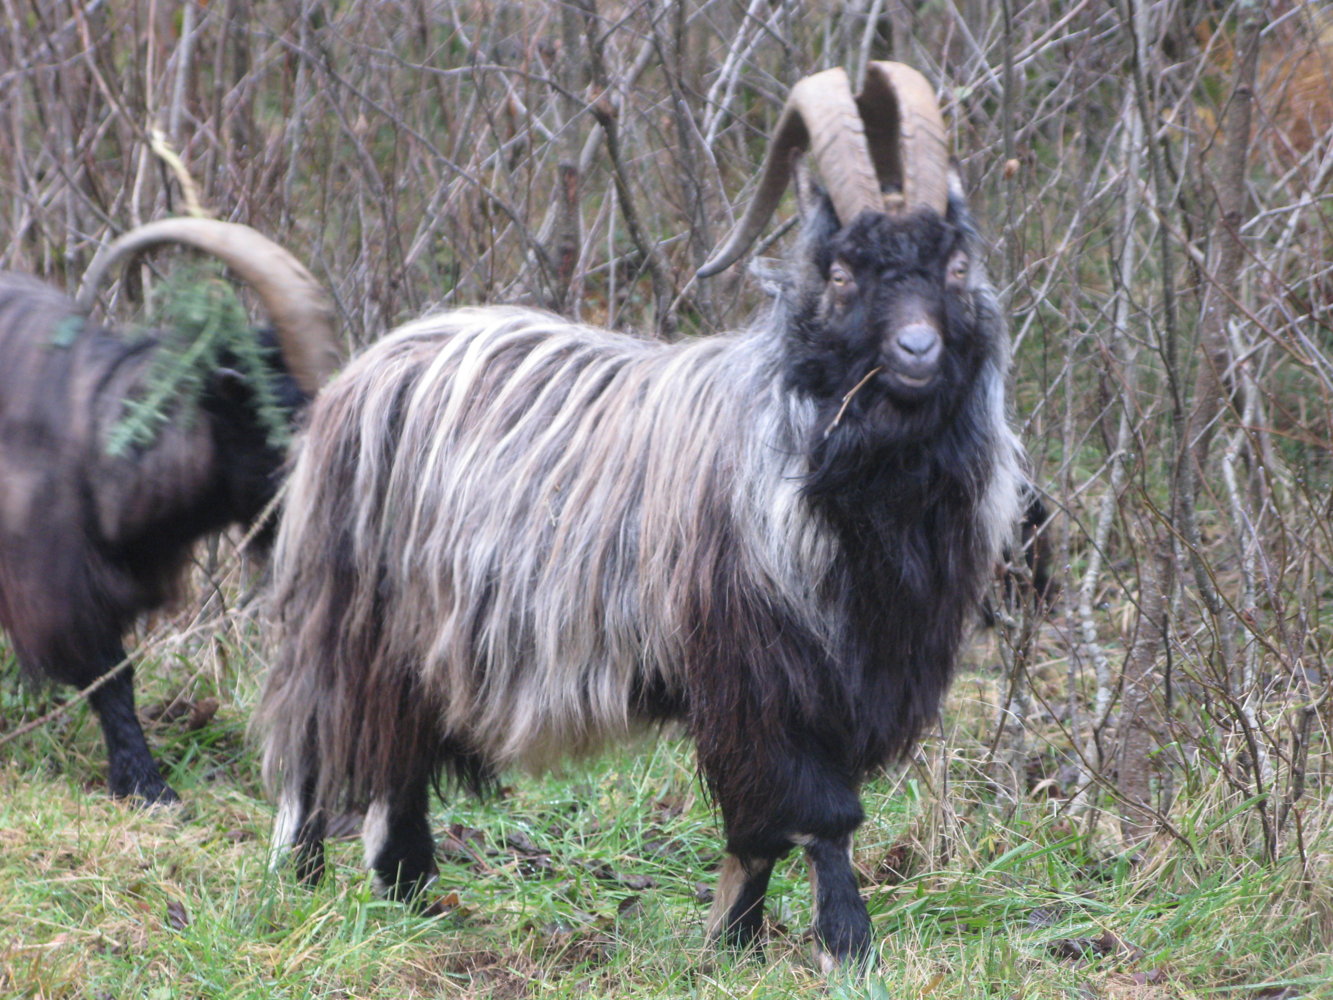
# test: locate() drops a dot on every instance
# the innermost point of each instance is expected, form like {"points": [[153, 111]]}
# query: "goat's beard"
{"points": [[879, 429]]}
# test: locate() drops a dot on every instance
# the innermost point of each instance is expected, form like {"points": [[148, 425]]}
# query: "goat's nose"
{"points": [[920, 341]]}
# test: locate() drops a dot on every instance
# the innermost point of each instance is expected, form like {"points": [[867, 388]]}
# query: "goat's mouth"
{"points": [[911, 382]]}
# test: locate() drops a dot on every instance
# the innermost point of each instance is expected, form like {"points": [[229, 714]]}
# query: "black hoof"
{"points": [[410, 888], [145, 791]]}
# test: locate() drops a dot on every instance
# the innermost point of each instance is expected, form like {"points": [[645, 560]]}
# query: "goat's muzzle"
{"points": [[912, 356]]}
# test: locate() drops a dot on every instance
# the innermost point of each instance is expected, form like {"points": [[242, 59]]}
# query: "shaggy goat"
{"points": [[510, 538], [89, 540]]}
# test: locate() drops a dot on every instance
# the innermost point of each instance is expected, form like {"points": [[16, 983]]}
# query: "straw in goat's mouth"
{"points": [[846, 400]]}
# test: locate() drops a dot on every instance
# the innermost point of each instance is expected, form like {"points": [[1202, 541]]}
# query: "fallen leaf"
{"points": [[167, 711], [176, 915], [202, 712], [463, 844], [1075, 949], [520, 842], [603, 871], [449, 903], [894, 866], [628, 905]]}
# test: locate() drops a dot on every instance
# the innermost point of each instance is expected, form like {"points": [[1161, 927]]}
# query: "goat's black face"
{"points": [[893, 331], [252, 465]]}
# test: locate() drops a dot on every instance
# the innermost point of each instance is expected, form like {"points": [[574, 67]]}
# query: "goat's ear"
{"points": [[808, 194], [771, 275], [956, 192]]}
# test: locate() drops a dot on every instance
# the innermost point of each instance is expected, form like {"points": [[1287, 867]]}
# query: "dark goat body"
{"points": [[510, 538], [89, 541]]}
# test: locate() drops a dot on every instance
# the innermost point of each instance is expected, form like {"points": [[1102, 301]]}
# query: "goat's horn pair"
{"points": [[890, 136], [300, 309]]}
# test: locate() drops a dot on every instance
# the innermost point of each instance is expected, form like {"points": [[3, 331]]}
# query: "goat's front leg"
{"points": [[131, 770], [842, 925], [738, 902]]}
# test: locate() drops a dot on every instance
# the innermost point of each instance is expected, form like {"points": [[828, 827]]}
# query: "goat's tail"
{"points": [[347, 721], [343, 720]]}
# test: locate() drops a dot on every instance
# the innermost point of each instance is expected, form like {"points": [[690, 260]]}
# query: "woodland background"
{"points": [[1131, 792]]}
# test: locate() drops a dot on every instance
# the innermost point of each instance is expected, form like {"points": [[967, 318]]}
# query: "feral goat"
{"points": [[89, 539], [511, 538]]}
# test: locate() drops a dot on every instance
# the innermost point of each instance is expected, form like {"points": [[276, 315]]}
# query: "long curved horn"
{"points": [[300, 309], [905, 132], [820, 115]]}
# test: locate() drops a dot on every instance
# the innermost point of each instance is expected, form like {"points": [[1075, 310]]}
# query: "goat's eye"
{"points": [[839, 277], [957, 270]]}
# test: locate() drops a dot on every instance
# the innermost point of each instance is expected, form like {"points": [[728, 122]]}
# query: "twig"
{"points": [[846, 400], [157, 142]]}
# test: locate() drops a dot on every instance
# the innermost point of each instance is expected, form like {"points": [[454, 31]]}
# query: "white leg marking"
{"points": [[285, 825], [374, 832], [729, 883]]}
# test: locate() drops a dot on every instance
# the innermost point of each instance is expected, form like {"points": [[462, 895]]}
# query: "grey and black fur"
{"points": [[511, 538], [88, 540]]}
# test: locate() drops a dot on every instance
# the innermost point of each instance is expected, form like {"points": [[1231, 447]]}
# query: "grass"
{"points": [[595, 883]]}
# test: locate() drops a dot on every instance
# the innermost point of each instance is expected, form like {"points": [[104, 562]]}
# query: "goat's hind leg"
{"points": [[398, 844], [300, 828], [308, 856]]}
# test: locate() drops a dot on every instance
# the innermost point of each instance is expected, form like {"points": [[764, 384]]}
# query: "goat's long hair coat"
{"points": [[510, 538]]}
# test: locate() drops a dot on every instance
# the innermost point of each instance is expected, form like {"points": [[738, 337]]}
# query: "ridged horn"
{"points": [[298, 306], [820, 115], [905, 132]]}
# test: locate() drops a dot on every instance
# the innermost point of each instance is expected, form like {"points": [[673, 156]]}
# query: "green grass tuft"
{"points": [[595, 883]]}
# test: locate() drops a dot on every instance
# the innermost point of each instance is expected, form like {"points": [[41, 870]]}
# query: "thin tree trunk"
{"points": [[1141, 679]]}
